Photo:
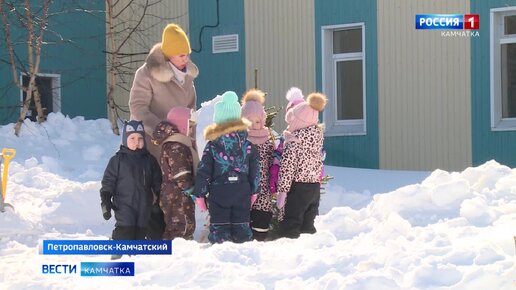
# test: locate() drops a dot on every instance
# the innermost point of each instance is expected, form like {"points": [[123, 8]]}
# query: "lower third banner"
{"points": [[107, 268]]}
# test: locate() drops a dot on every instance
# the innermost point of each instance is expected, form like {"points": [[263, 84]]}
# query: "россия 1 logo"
{"points": [[448, 21]]}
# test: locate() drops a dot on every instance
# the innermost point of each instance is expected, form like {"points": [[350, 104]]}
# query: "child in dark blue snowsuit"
{"points": [[228, 174], [130, 185]]}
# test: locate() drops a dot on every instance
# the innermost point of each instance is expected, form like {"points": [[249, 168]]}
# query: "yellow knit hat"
{"points": [[174, 41]]}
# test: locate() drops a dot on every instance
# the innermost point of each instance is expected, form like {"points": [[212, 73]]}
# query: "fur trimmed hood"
{"points": [[159, 66], [214, 131]]}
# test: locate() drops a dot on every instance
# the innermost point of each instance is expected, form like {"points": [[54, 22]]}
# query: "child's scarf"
{"points": [[258, 136]]}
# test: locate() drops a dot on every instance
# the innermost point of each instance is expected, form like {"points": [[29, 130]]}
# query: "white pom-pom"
{"points": [[294, 94]]}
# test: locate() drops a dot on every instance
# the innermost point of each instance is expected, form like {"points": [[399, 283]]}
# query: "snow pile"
{"points": [[449, 231]]}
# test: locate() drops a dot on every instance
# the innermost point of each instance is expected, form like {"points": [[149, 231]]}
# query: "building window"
{"points": [[343, 79], [503, 68], [49, 86]]}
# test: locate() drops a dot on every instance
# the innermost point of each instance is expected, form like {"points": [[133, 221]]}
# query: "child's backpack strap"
{"points": [[187, 141]]}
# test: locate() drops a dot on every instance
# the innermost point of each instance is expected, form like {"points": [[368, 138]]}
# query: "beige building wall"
{"points": [[280, 44], [156, 17], [424, 89]]}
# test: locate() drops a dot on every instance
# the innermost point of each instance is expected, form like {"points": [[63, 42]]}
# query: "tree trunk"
{"points": [[39, 40], [112, 77], [25, 107], [37, 100], [33, 52]]}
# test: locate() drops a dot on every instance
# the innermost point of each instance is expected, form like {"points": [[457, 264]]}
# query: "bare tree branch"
{"points": [[9, 45], [120, 54], [135, 27], [123, 9]]}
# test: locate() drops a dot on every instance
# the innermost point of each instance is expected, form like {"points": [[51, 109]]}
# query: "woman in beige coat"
{"points": [[164, 81]]}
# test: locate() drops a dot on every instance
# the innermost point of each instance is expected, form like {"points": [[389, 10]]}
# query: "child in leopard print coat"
{"points": [[294, 96], [300, 168], [259, 135]]}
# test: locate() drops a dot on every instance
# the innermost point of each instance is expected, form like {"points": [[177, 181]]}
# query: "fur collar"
{"points": [[160, 69], [214, 131]]}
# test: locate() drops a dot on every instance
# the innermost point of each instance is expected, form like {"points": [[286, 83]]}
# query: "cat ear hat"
{"points": [[132, 127]]}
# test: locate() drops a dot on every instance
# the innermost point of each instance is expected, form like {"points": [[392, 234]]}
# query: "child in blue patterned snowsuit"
{"points": [[228, 174]]}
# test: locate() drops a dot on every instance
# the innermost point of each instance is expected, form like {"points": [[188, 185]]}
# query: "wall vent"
{"points": [[225, 43]]}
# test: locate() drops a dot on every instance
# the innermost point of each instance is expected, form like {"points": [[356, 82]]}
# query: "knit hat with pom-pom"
{"points": [[228, 109], [252, 106], [294, 96], [180, 116], [306, 114]]}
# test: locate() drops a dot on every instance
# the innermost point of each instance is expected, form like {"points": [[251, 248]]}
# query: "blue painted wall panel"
{"points": [[75, 44], [222, 71], [353, 151], [486, 144]]}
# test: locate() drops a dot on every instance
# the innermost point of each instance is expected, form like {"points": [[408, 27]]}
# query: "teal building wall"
{"points": [[218, 72], [352, 151], [74, 49], [486, 144]]}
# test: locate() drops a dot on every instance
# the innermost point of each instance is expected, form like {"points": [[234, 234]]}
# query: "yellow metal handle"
{"points": [[7, 155]]}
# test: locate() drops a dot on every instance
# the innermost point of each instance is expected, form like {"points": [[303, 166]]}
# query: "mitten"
{"points": [[253, 198], [155, 208], [273, 182], [188, 192], [323, 157], [280, 202], [201, 203], [106, 209]]}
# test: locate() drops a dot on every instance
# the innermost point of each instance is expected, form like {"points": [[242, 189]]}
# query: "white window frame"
{"points": [[56, 90], [334, 127], [496, 40]]}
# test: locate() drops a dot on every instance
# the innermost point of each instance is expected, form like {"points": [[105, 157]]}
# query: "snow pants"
{"points": [[229, 207], [179, 214], [129, 233], [138, 224], [260, 223], [156, 225], [301, 208]]}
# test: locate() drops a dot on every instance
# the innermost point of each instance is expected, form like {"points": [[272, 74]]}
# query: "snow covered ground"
{"points": [[377, 229]]}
